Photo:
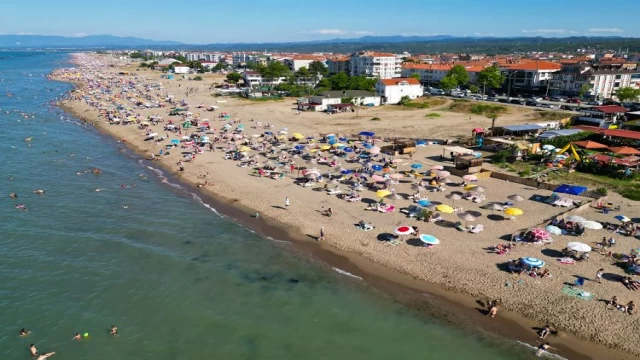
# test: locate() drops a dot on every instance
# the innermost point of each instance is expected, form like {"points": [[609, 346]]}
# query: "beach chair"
{"points": [[476, 229], [579, 282]]}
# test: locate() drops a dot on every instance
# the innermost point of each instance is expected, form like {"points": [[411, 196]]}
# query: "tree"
{"points": [[448, 83], [302, 73], [317, 69], [474, 89], [405, 100], [584, 90], [197, 78], [362, 83], [415, 76], [460, 74], [627, 94], [219, 67], [493, 116], [233, 77], [408, 60], [339, 81], [490, 77]]}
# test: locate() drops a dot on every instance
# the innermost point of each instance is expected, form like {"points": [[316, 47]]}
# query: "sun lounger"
{"points": [[476, 229], [334, 191]]}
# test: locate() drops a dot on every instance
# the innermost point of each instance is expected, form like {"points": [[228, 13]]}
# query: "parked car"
{"points": [[531, 103], [492, 98], [595, 103], [558, 99], [574, 101]]}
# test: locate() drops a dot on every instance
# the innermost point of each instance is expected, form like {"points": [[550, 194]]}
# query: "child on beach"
{"points": [[543, 348]]}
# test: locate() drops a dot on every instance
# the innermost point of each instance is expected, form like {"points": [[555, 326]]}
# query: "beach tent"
{"points": [[366, 133], [624, 150], [570, 189]]}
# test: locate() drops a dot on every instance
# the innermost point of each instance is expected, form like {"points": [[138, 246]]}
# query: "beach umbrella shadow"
{"points": [[552, 253], [474, 213], [369, 201], [415, 242], [445, 224], [495, 217], [386, 237]]}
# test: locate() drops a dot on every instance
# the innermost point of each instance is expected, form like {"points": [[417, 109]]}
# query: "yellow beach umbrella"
{"points": [[513, 211], [325, 147], [298, 136], [470, 186], [313, 150], [383, 193], [444, 208], [337, 145], [245, 149]]}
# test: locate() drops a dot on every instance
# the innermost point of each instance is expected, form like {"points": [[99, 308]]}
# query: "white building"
{"points": [[429, 73], [324, 101], [298, 61], [254, 79], [529, 75], [375, 65], [392, 90], [180, 69], [603, 79]]}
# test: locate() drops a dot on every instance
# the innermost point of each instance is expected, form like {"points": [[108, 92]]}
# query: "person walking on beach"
{"points": [[545, 331], [493, 311], [286, 202], [599, 275], [543, 348], [321, 237]]}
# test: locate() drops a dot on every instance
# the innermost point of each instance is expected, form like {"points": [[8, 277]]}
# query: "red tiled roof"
{"points": [[409, 66], [396, 81], [534, 65], [610, 109], [625, 134]]}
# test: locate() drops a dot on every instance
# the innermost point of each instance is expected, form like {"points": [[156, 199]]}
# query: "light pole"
{"points": [[510, 77]]}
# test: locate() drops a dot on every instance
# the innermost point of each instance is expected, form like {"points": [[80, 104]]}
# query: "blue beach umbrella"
{"points": [[175, 141], [347, 150], [333, 141], [622, 218], [532, 262], [421, 142], [429, 239], [424, 203], [416, 166], [346, 172], [343, 139], [553, 230], [367, 146], [366, 133], [299, 147], [364, 156], [377, 167], [268, 133]]}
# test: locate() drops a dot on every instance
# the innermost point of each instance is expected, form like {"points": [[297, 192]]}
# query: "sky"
{"points": [[224, 21]]}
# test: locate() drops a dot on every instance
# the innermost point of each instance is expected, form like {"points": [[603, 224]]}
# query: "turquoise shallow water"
{"points": [[178, 280]]}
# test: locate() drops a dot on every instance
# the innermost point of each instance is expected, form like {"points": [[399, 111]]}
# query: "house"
{"points": [[529, 75], [254, 79], [375, 65], [298, 61], [333, 100], [392, 90], [180, 69]]}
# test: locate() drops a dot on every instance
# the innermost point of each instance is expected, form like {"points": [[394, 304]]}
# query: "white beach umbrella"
{"points": [[576, 218], [515, 197], [592, 225], [578, 246]]}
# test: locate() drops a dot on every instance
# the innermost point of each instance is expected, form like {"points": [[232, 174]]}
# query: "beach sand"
{"points": [[461, 263]]}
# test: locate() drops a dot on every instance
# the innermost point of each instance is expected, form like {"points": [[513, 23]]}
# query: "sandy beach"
{"points": [[463, 262]]}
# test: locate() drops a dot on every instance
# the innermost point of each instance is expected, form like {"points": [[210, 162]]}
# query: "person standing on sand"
{"points": [[321, 237], [599, 275], [493, 311], [286, 202]]}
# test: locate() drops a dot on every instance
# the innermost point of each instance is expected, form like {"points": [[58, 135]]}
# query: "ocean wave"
{"points": [[546, 355], [340, 271]]}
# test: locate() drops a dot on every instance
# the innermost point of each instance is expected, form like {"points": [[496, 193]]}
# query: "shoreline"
{"points": [[457, 309], [396, 282]]}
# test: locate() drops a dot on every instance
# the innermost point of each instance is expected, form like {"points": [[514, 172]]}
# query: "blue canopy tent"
{"points": [[570, 189], [366, 133]]}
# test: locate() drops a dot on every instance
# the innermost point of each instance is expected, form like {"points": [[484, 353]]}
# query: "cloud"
{"points": [[328, 32], [609, 30], [362, 32], [545, 31]]}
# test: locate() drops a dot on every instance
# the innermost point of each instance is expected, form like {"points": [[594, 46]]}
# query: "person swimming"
{"points": [[13, 195], [33, 350], [45, 355], [39, 192], [24, 332], [76, 337], [114, 330]]}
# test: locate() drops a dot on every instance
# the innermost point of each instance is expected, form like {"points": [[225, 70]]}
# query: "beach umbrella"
{"points": [[424, 202], [377, 167], [297, 136], [395, 196], [417, 187], [332, 141], [540, 233], [592, 225], [470, 186], [515, 197], [266, 132], [416, 166], [576, 218], [299, 147], [444, 208], [325, 147], [429, 239], [470, 178], [359, 188], [175, 141], [383, 193], [244, 149], [513, 211], [548, 147], [494, 207], [437, 167], [366, 133], [391, 182], [578, 246], [553, 230], [532, 262], [404, 230], [466, 217], [453, 197], [346, 172], [347, 150], [338, 145], [374, 150], [396, 176], [443, 174], [343, 139], [622, 218], [377, 178]]}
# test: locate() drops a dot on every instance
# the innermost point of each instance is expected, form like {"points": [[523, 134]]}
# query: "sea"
{"points": [[178, 279]]}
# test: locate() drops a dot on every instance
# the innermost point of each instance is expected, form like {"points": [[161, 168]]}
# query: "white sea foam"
{"points": [[340, 271], [545, 355]]}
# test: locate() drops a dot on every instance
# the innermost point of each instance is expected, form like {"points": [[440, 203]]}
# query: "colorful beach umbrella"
{"points": [[416, 166], [532, 262], [470, 178], [437, 167], [347, 150], [377, 178], [424, 202], [513, 211], [540, 234], [622, 218], [404, 230], [429, 239], [377, 167], [444, 208], [443, 174], [325, 147], [366, 133], [297, 136], [383, 193]]}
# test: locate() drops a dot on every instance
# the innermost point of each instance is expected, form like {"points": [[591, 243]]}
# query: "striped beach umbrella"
{"points": [[532, 262]]}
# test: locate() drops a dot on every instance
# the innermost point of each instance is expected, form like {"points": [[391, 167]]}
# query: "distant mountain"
{"points": [[49, 41]]}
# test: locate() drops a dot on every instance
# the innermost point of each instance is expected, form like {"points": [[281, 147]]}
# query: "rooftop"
{"points": [[397, 81], [610, 109]]}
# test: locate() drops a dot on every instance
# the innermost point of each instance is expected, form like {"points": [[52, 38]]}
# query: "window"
{"points": [[618, 77]]}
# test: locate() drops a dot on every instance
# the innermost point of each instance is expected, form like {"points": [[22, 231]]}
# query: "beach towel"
{"points": [[579, 293], [394, 242], [566, 261]]}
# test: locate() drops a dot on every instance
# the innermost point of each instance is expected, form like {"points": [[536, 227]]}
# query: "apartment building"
{"points": [[433, 73], [299, 61], [338, 65], [529, 76], [603, 78], [375, 65]]}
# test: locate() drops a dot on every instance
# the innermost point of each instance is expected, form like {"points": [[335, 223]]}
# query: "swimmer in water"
{"points": [[33, 349], [45, 355], [98, 189], [114, 330], [76, 337], [543, 348], [22, 207], [13, 195], [38, 192], [24, 332]]}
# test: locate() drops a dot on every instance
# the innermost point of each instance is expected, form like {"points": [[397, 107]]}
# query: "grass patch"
{"points": [[551, 115], [468, 107], [432, 115], [425, 103]]}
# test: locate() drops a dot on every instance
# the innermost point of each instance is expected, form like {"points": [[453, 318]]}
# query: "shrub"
{"points": [[501, 156], [481, 109], [197, 78], [432, 115], [524, 172], [602, 191], [375, 119]]}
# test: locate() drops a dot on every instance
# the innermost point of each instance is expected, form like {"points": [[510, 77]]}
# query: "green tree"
{"points": [[415, 76], [302, 73], [219, 67], [405, 100], [460, 74], [584, 90], [181, 59], [362, 83], [233, 77], [490, 77], [197, 78], [317, 69], [339, 81], [627, 94], [474, 89], [408, 60], [448, 83]]}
